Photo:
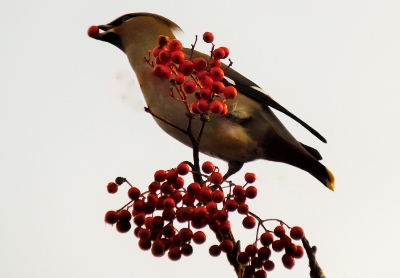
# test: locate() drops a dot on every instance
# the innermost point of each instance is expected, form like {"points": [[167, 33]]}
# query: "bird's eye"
{"points": [[125, 18]]}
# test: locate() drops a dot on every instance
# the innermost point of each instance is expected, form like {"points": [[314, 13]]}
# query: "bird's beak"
{"points": [[108, 35]]}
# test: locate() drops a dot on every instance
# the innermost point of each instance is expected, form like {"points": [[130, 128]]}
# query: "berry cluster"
{"points": [[168, 203], [194, 75]]}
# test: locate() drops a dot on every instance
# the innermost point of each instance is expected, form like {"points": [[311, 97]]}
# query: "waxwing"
{"points": [[248, 132]]}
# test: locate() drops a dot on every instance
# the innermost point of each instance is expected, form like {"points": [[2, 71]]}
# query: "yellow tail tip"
{"points": [[331, 182]]}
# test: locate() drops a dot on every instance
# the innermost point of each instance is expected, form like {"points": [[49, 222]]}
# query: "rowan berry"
{"points": [[169, 203], [251, 250], [215, 63], [269, 265], [177, 57], [216, 178], [193, 107], [249, 222], [217, 87], [249, 270], [278, 245], [217, 74], [251, 192], [256, 262], [231, 205], [205, 193], [201, 74], [178, 183], [185, 234], [166, 188], [212, 207], [226, 246], [218, 196], [158, 248], [296, 233], [165, 56], [216, 107], [290, 249], [175, 45], [189, 87], [186, 67], [199, 64], [218, 53], [225, 109], [205, 93], [206, 81], [222, 215], [160, 175], [243, 258], [203, 105], [154, 187], [230, 92], [111, 217], [180, 78], [266, 239], [188, 199], [214, 250], [226, 51], [208, 37], [133, 193], [138, 205], [156, 51], [288, 261], [264, 253], [183, 168], [279, 231], [168, 214], [186, 249], [299, 252], [93, 31], [139, 219], [124, 215], [112, 187], [162, 71], [123, 226], [199, 213], [144, 244], [174, 253], [193, 189], [243, 208], [224, 227], [199, 237]]}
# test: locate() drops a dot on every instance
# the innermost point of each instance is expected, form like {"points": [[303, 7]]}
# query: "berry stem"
{"points": [[193, 45], [148, 110]]}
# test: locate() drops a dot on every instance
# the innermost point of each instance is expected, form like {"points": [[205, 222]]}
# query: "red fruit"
{"points": [[203, 106], [186, 67], [93, 31], [205, 193], [149, 208], [133, 193], [243, 208], [222, 215], [194, 189], [177, 57], [189, 87], [186, 249], [185, 234], [157, 223], [269, 265], [260, 274], [215, 63], [177, 196], [226, 246], [211, 207], [139, 219], [238, 190], [266, 239], [299, 252], [201, 74], [214, 250], [264, 253], [226, 51], [162, 71], [112, 187], [199, 237], [224, 227], [216, 178], [251, 250], [144, 244], [138, 205], [216, 74], [206, 81], [193, 107], [296, 233], [111, 217], [250, 177], [249, 222], [183, 168], [168, 214], [290, 249], [230, 92], [251, 192], [169, 231], [188, 199], [169, 203], [152, 199], [217, 87], [205, 93], [165, 56], [158, 248], [154, 187], [175, 45], [123, 226], [216, 107], [231, 205], [225, 110], [207, 167], [174, 254], [218, 196], [278, 245], [179, 78], [249, 270], [279, 231], [240, 199], [208, 37], [178, 183], [243, 258], [160, 175], [199, 64], [288, 261], [199, 213], [172, 175], [218, 53], [166, 188], [157, 50], [124, 215], [256, 262]]}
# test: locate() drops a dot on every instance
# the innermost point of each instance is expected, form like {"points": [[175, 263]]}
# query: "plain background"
{"points": [[72, 120]]}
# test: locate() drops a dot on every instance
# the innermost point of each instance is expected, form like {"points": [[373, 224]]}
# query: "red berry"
{"points": [[177, 57], [157, 50], [203, 105], [139, 219], [251, 192], [216, 107], [169, 203], [188, 200], [249, 222], [93, 31], [256, 262], [144, 244], [260, 274], [264, 253], [112, 187], [217, 87], [189, 87], [183, 168], [230, 92], [249, 270], [133, 193], [208, 37], [224, 227], [206, 81], [169, 230], [243, 208], [216, 178], [172, 175], [124, 215], [152, 199], [266, 239], [205, 193], [123, 226], [288, 261], [226, 246], [201, 74], [174, 254], [231, 205], [207, 167], [226, 51], [216, 74], [162, 71], [211, 207], [168, 214], [175, 45], [177, 196], [215, 63], [278, 245], [250, 177], [296, 233], [218, 53], [269, 265], [194, 189], [186, 249], [225, 110], [111, 217], [199, 64], [179, 79], [290, 248], [166, 188], [205, 93], [165, 56], [154, 187], [199, 213], [186, 67], [218, 196], [199, 237], [158, 248], [299, 252], [243, 258], [185, 234], [214, 250], [238, 190], [193, 107], [178, 183], [279, 231], [251, 250], [222, 215]]}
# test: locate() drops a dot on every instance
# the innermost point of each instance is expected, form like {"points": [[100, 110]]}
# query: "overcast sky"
{"points": [[72, 120]]}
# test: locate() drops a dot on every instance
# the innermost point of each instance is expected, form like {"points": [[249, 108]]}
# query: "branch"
{"points": [[316, 271]]}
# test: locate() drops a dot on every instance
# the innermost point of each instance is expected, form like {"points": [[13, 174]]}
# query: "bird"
{"points": [[250, 131]]}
